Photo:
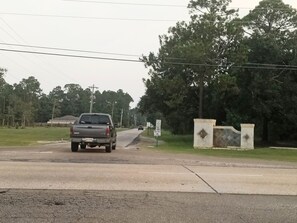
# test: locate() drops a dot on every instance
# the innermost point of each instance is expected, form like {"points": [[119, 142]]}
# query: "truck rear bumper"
{"points": [[91, 140]]}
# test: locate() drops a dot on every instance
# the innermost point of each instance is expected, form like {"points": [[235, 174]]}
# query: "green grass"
{"points": [[29, 136], [169, 143], [184, 144]]}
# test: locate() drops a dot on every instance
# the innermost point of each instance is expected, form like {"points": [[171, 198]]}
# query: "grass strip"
{"points": [[30, 135], [184, 144]]}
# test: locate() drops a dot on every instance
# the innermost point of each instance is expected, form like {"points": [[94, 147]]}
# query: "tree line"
{"points": [[220, 66], [24, 103]]}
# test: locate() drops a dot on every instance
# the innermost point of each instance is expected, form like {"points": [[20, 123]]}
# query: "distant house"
{"points": [[65, 120]]}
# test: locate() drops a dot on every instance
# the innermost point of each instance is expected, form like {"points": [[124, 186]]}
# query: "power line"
{"points": [[82, 51], [247, 66], [101, 18], [45, 64], [13, 61], [124, 54], [70, 55], [88, 17], [126, 3], [70, 50], [167, 5], [278, 65]]}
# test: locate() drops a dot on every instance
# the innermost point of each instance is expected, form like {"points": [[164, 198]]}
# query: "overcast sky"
{"points": [[114, 29]]}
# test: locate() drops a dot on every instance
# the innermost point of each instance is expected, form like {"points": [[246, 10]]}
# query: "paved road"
{"points": [[51, 184], [126, 138], [84, 206], [135, 177]]}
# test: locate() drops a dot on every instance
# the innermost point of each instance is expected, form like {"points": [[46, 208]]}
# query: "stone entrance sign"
{"points": [[208, 135]]}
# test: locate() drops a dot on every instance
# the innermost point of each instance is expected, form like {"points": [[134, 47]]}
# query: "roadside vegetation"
{"points": [[184, 144], [180, 144], [23, 104], [222, 66], [32, 135], [218, 65]]}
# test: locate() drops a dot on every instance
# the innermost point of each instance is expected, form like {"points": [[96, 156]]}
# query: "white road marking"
{"points": [[232, 174], [166, 173]]}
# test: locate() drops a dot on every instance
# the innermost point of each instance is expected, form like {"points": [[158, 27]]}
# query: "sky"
{"points": [[116, 29]]}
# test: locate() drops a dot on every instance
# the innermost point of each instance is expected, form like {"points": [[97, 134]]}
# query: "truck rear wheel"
{"points": [[74, 146], [108, 148]]}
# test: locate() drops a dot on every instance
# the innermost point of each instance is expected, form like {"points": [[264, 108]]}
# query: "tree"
{"points": [[2, 95], [2, 81], [191, 58], [27, 94], [24, 103], [272, 29], [56, 98], [114, 103], [72, 103], [44, 109]]}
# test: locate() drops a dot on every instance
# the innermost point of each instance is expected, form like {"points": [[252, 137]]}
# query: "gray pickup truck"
{"points": [[93, 129]]}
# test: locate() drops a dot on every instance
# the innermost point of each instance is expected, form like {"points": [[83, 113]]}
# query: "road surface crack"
{"points": [[211, 187]]}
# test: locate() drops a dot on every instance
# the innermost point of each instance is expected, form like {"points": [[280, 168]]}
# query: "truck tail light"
{"points": [[71, 130], [107, 131]]}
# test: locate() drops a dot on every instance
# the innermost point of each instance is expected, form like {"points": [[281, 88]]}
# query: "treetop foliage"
{"points": [[24, 103], [227, 68]]}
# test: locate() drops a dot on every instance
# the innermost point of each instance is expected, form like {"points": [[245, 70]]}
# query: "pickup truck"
{"points": [[93, 129]]}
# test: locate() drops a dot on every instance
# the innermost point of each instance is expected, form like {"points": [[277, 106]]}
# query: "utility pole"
{"points": [[112, 108], [3, 111], [92, 97], [122, 117], [53, 112]]}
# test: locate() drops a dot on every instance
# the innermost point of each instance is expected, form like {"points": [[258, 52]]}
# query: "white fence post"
{"points": [[203, 133], [247, 136]]}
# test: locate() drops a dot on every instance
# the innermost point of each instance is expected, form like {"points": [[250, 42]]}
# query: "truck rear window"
{"points": [[94, 119]]}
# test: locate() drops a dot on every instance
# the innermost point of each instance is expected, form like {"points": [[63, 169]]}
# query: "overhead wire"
{"points": [[246, 66], [251, 66], [68, 55], [10, 59], [163, 5], [89, 17], [127, 3], [70, 50], [44, 64], [130, 55], [82, 51], [100, 18]]}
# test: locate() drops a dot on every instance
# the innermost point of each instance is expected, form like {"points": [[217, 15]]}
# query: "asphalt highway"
{"points": [[49, 183]]}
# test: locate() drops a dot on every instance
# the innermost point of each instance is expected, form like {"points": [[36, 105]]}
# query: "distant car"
{"points": [[140, 127]]}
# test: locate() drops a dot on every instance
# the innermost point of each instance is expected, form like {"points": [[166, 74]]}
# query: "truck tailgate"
{"points": [[89, 131]]}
